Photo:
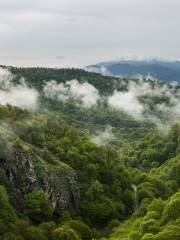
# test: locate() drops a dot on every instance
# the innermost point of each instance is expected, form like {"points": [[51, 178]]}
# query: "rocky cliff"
{"points": [[23, 173]]}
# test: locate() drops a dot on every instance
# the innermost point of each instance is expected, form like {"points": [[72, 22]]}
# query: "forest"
{"points": [[87, 156]]}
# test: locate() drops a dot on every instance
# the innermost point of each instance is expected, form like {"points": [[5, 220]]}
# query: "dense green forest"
{"points": [[75, 164]]}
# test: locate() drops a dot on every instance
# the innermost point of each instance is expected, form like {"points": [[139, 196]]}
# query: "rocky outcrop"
{"points": [[19, 174], [62, 190]]}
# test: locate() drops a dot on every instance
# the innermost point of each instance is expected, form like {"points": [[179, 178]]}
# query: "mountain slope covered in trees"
{"points": [[84, 156]]}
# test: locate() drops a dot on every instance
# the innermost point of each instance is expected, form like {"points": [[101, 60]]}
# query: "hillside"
{"points": [[166, 71], [87, 156]]}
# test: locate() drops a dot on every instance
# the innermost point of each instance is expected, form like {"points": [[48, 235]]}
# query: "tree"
{"points": [[7, 213], [80, 227], [34, 233], [37, 206], [95, 190], [47, 228], [168, 233], [157, 205], [148, 236], [172, 209], [149, 226], [65, 233]]}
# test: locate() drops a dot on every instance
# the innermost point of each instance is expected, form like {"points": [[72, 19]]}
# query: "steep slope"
{"points": [[158, 199], [44, 160], [87, 156]]}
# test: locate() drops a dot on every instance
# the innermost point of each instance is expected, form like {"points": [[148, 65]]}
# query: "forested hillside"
{"points": [[84, 156]]}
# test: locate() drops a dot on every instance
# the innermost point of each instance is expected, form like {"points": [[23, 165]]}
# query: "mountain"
{"points": [[87, 156], [166, 71]]}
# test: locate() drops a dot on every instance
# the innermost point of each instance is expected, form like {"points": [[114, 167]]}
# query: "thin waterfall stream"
{"points": [[134, 187]]}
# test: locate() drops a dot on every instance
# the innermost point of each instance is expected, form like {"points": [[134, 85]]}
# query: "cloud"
{"points": [[142, 99], [19, 95], [83, 94], [126, 102], [98, 69], [53, 23], [139, 98], [103, 137]]}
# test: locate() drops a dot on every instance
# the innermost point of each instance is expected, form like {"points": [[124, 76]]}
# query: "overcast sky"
{"points": [[81, 32]]}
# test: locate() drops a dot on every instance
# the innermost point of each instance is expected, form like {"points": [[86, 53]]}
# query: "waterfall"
{"points": [[134, 187]]}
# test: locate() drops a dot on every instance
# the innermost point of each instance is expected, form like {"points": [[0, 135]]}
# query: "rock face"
{"points": [[21, 176], [62, 188]]}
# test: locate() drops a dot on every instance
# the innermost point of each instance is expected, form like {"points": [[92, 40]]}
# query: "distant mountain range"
{"points": [[166, 71]]}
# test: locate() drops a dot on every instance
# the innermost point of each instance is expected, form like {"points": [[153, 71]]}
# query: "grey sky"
{"points": [[81, 32]]}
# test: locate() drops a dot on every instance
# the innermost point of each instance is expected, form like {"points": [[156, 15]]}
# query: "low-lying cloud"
{"points": [[141, 99], [19, 95], [126, 102], [99, 69], [103, 137], [138, 98], [83, 94]]}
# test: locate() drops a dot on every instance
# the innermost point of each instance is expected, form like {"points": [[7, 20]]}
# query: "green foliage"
{"points": [[65, 233], [47, 229], [65, 216], [161, 222], [134, 235], [149, 226], [34, 233], [82, 229], [8, 216], [148, 236], [157, 205], [114, 223], [152, 215], [172, 209], [100, 212], [169, 232], [37, 206], [95, 181], [155, 148], [95, 190]]}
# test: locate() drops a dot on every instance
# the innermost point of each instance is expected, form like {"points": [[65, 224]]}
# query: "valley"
{"points": [[87, 156]]}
